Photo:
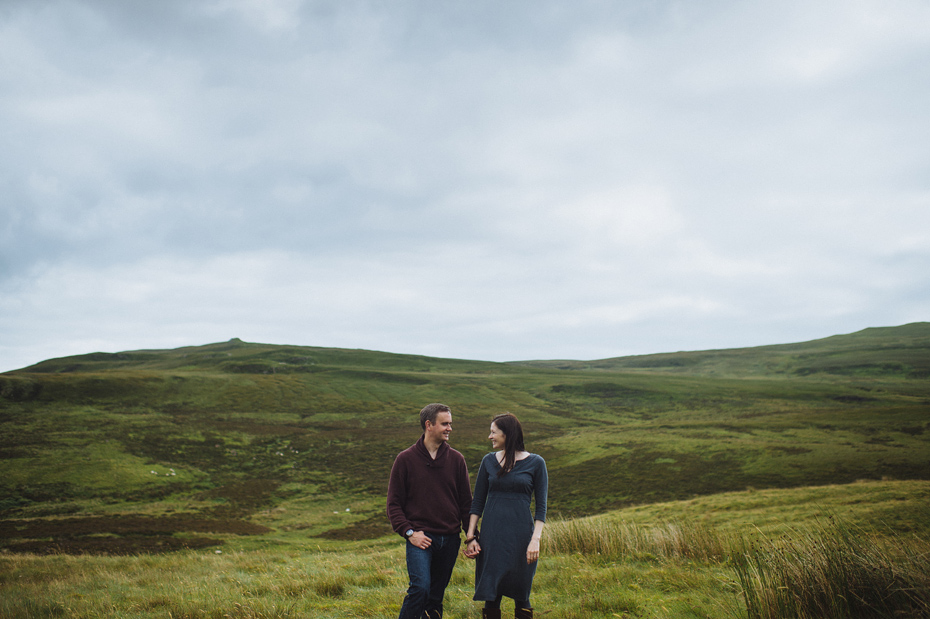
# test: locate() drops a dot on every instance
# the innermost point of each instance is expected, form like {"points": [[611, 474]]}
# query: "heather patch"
{"points": [[122, 534]]}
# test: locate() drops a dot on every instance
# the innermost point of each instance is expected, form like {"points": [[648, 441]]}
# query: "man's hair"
{"points": [[430, 411]]}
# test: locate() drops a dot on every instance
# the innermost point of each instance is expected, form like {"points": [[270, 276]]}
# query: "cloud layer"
{"points": [[478, 180]]}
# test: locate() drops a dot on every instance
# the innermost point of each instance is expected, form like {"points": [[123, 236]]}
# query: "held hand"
{"points": [[532, 551], [472, 549], [420, 540]]}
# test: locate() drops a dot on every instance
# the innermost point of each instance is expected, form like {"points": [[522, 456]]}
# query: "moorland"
{"points": [[248, 480]]}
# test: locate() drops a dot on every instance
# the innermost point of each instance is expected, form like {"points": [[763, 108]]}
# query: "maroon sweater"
{"points": [[429, 495]]}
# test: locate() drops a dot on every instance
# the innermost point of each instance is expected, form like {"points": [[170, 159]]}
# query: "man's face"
{"points": [[440, 430]]}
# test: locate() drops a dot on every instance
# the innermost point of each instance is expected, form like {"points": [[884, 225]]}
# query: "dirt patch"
{"points": [[373, 528], [122, 535], [124, 525], [642, 475], [129, 545], [242, 497]]}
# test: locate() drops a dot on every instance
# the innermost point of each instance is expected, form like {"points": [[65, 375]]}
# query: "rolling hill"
{"points": [[157, 449]]}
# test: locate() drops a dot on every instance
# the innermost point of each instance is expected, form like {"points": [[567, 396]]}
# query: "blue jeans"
{"points": [[430, 571]]}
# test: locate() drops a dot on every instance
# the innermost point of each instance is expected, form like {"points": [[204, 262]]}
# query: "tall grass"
{"points": [[835, 572], [828, 571], [619, 540]]}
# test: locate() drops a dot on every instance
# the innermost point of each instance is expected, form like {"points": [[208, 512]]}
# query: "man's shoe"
{"points": [[523, 613], [490, 613]]}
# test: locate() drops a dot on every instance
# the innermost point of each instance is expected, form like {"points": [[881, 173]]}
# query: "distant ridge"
{"points": [[882, 351], [903, 350], [235, 356]]}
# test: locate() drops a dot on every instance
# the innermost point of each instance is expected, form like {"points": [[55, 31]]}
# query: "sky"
{"points": [[488, 180]]}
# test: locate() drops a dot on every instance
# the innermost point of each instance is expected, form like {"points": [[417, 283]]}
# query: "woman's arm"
{"points": [[541, 490], [472, 527], [532, 551], [472, 547]]}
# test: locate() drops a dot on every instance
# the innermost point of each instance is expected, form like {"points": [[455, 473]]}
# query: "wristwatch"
{"points": [[408, 533]]}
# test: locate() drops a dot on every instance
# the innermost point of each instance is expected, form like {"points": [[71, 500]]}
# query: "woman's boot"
{"points": [[523, 613], [490, 613]]}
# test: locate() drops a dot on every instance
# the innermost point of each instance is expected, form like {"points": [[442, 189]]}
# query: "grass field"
{"points": [[665, 560], [248, 480]]}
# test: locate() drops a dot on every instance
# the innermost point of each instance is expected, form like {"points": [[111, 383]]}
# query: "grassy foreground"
{"points": [[689, 559]]}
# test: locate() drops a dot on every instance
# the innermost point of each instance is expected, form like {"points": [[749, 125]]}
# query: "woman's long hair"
{"points": [[510, 426]]}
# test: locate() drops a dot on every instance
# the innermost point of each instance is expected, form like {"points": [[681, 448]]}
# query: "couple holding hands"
{"points": [[430, 501]]}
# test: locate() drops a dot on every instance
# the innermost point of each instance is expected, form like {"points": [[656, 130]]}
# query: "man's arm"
{"points": [[397, 498], [464, 494], [397, 501]]}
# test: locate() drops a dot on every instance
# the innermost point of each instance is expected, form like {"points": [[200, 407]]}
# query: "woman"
{"points": [[509, 541]]}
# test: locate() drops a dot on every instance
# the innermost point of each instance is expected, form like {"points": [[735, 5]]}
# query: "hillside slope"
{"points": [[223, 436], [879, 351]]}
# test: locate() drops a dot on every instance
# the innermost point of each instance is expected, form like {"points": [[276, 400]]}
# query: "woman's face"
{"points": [[497, 438]]}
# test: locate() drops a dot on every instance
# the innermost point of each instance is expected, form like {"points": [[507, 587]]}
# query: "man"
{"points": [[429, 497]]}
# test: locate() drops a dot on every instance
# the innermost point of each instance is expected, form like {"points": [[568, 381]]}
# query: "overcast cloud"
{"points": [[483, 180]]}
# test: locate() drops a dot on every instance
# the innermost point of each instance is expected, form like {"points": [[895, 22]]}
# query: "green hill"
{"points": [[153, 449], [881, 351]]}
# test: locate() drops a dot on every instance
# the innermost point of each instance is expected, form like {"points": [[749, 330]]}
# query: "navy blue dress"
{"points": [[507, 525]]}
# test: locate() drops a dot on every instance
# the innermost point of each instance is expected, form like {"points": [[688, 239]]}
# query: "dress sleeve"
{"points": [[481, 488], [541, 489]]}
